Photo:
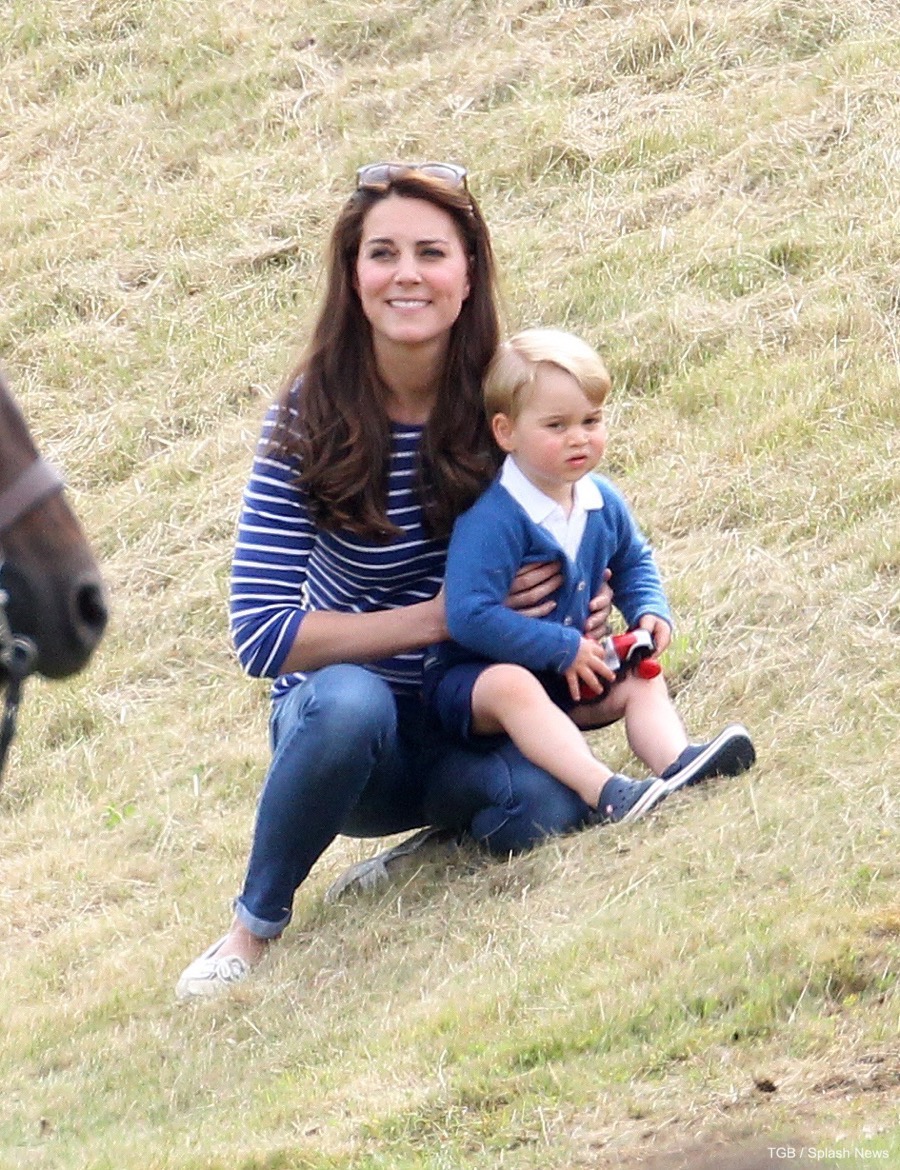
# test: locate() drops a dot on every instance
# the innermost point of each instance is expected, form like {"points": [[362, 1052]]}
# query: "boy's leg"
{"points": [[657, 737], [509, 699], [653, 727]]}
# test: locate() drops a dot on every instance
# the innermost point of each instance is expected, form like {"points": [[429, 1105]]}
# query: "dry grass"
{"points": [[704, 190]]}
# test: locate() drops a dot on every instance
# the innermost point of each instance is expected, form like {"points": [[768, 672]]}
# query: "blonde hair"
{"points": [[514, 368]]}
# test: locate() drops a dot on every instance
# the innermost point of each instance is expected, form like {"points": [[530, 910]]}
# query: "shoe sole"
{"points": [[729, 754], [377, 871]]}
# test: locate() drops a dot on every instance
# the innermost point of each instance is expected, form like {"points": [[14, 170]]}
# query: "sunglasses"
{"points": [[383, 172]]}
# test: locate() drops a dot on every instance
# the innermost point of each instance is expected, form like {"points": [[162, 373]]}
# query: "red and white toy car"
{"points": [[624, 652]]}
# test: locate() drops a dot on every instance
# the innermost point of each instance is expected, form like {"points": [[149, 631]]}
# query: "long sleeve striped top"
{"points": [[284, 566]]}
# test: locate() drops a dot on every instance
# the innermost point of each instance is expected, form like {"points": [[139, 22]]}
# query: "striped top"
{"points": [[283, 566]]}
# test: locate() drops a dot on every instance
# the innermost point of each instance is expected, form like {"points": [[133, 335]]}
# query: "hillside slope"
{"points": [[708, 192]]}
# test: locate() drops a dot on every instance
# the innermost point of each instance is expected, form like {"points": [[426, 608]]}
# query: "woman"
{"points": [[377, 443]]}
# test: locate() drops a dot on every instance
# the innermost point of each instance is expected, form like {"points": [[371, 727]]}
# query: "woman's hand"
{"points": [[531, 587], [533, 584], [597, 626]]}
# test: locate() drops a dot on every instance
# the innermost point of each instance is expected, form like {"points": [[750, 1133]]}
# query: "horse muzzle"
{"points": [[63, 617]]}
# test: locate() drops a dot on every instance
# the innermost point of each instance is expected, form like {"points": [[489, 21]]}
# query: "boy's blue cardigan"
{"points": [[490, 543]]}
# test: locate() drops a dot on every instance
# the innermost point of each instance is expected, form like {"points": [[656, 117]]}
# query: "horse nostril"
{"points": [[91, 611]]}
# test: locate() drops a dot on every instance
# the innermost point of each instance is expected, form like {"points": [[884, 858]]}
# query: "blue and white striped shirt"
{"points": [[284, 566]]}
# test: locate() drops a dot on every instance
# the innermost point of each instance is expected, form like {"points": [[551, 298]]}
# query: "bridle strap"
{"points": [[38, 481], [17, 654], [18, 661]]}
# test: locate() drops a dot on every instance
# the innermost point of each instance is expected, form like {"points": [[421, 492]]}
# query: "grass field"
{"points": [[709, 193]]}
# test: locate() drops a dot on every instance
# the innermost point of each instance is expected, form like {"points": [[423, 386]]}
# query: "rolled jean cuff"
{"points": [[259, 926]]}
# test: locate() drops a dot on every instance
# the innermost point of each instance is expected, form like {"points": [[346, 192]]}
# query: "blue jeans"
{"points": [[349, 756]]}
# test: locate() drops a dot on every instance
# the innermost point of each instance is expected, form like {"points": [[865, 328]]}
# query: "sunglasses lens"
{"points": [[375, 173], [446, 172]]}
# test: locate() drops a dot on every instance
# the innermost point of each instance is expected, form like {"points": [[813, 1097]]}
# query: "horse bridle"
{"points": [[17, 653]]}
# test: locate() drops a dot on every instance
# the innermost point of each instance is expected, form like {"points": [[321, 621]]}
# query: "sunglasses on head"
{"points": [[383, 172]]}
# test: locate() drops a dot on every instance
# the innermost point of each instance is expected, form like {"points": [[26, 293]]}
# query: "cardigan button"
{"points": [[582, 585], [567, 621]]}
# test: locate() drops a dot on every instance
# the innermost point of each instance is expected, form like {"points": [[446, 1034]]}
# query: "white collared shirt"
{"points": [[567, 531]]}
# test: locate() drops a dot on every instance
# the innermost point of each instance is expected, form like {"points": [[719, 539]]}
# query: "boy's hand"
{"points": [[589, 667], [660, 631]]}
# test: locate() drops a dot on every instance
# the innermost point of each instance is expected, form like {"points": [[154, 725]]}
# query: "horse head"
{"points": [[50, 589]]}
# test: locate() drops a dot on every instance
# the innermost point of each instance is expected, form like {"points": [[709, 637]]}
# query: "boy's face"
{"points": [[558, 435]]}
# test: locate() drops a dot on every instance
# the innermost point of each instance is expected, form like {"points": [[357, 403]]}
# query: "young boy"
{"points": [[505, 673]]}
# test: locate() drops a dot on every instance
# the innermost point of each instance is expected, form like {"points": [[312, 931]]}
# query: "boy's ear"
{"points": [[501, 425]]}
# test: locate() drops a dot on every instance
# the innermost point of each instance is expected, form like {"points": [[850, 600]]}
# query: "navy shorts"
{"points": [[448, 695]]}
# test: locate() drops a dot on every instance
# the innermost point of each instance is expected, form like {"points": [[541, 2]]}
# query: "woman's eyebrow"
{"points": [[418, 243]]}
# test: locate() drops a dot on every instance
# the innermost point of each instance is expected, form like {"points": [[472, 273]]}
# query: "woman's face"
{"points": [[412, 273]]}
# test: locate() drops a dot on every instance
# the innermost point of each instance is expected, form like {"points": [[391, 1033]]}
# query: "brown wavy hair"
{"points": [[332, 418]]}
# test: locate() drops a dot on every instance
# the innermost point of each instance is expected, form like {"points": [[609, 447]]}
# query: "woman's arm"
{"points": [[326, 637], [533, 583], [275, 629], [274, 540]]}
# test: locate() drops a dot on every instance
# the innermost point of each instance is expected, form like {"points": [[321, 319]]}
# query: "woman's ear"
{"points": [[502, 427]]}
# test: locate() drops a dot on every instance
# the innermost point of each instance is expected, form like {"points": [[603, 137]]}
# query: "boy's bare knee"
{"points": [[510, 681]]}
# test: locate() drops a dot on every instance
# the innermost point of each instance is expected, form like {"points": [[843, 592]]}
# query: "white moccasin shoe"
{"points": [[209, 976]]}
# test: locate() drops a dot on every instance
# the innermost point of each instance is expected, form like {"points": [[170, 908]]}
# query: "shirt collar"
{"points": [[539, 506]]}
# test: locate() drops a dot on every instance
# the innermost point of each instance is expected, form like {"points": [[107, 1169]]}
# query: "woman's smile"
{"points": [[406, 304]]}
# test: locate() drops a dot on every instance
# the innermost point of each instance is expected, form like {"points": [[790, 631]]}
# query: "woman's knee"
{"points": [[343, 701]]}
